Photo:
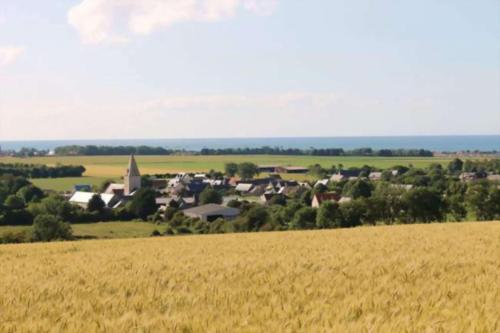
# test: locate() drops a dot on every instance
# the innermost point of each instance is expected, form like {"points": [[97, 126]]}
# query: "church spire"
{"points": [[132, 179], [133, 170]]}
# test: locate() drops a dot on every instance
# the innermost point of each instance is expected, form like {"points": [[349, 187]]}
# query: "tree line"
{"points": [[92, 150], [41, 171], [318, 152]]}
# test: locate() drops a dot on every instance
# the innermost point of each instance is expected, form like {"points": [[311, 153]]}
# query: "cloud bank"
{"points": [[112, 21], [9, 54]]}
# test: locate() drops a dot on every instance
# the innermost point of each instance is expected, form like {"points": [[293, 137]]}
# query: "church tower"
{"points": [[132, 179]]}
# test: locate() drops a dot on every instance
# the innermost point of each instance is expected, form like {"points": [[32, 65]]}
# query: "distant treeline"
{"points": [[111, 150], [146, 150], [41, 171], [318, 152]]}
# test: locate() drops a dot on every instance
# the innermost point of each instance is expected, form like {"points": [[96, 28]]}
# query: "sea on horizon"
{"points": [[433, 143]]}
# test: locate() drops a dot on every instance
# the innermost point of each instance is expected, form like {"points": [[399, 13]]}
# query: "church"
{"points": [[131, 181], [116, 194]]}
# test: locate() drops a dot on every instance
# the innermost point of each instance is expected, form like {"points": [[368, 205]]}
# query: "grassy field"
{"points": [[412, 278], [100, 168], [65, 184], [102, 230]]}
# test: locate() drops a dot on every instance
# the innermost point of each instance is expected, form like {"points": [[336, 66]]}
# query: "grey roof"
{"points": [[212, 209], [132, 169]]}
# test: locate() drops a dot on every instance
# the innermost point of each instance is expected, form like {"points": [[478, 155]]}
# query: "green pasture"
{"points": [[102, 229], [66, 184]]}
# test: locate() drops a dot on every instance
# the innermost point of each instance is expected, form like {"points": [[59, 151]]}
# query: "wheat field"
{"points": [[412, 278]]}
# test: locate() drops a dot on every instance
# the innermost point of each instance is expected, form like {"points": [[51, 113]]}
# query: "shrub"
{"points": [[48, 227]]}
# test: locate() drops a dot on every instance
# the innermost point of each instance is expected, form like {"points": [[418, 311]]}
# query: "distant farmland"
{"points": [[102, 167], [412, 278]]}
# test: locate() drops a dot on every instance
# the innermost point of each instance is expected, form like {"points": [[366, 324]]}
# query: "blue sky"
{"points": [[248, 68]]}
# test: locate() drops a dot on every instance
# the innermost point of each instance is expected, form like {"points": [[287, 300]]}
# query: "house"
{"points": [[467, 176], [319, 198], [267, 168], [337, 178], [158, 183], [323, 182], [113, 188], [405, 187], [292, 169], [348, 174], [375, 175], [82, 199], [211, 212], [243, 188], [344, 200]]}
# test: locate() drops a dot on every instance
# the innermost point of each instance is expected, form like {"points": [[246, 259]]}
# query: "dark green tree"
{"points": [[231, 169], [209, 195], [30, 193], [48, 227], [455, 166], [255, 218], [304, 218], [96, 204], [357, 189], [247, 170], [327, 215], [143, 203], [14, 202], [423, 205]]}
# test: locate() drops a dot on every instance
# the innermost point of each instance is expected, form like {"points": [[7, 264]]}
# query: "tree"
{"points": [[483, 200], [54, 205], [304, 218], [96, 204], [456, 207], [358, 188], [143, 203], [209, 195], [247, 170], [231, 169], [48, 227], [327, 215], [14, 202], [455, 166], [255, 218], [351, 214], [423, 205], [30, 193], [278, 199], [317, 171]]}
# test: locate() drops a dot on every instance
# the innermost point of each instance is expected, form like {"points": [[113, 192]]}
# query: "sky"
{"points": [[104, 69]]}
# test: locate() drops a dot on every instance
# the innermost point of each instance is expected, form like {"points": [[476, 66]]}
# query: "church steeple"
{"points": [[132, 179], [132, 170]]}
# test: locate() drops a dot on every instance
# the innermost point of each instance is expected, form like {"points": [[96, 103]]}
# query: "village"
{"points": [[183, 191]]}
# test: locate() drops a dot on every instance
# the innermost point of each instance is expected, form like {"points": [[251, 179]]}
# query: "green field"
{"points": [[100, 168], [102, 229], [65, 184]]}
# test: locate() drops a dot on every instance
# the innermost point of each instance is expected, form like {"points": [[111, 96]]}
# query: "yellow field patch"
{"points": [[412, 278]]}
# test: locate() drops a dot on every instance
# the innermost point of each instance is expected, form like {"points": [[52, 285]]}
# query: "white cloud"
{"points": [[9, 54], [98, 21]]}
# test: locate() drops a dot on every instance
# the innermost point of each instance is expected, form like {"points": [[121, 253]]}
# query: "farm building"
{"points": [[292, 169], [211, 212], [319, 198], [82, 199]]}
